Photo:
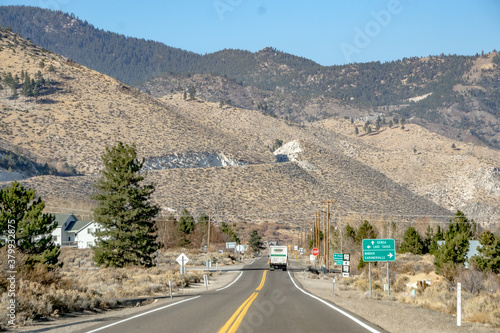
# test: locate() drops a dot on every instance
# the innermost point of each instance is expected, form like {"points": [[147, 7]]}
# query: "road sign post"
{"points": [[379, 250], [338, 258], [182, 259]]}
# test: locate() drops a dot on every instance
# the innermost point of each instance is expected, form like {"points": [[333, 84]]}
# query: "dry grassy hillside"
{"points": [[84, 111], [451, 173]]}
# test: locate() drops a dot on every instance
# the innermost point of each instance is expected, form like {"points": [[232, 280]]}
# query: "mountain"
{"points": [[455, 96], [201, 155]]}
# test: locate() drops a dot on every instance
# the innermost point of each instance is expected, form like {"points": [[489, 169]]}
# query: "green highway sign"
{"points": [[338, 258], [379, 250]]}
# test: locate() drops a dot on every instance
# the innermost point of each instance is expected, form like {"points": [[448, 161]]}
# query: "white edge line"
{"points": [[142, 314], [229, 285], [371, 329]]}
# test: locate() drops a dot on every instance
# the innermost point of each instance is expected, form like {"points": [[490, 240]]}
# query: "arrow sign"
{"points": [[379, 250], [182, 259]]}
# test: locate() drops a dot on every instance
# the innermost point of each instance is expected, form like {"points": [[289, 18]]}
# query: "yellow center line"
{"points": [[233, 318], [262, 282], [234, 322]]}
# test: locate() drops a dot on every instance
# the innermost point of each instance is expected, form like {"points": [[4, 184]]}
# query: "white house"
{"points": [[71, 232], [62, 235], [85, 235]]}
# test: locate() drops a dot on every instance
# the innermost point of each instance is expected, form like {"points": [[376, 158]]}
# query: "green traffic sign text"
{"points": [[379, 250]]}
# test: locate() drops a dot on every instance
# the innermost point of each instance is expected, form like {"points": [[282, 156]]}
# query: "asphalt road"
{"points": [[258, 301]]}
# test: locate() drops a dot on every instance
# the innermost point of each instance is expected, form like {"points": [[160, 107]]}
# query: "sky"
{"points": [[329, 32]]}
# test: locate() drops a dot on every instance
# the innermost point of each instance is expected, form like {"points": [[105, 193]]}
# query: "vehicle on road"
{"points": [[278, 257]]}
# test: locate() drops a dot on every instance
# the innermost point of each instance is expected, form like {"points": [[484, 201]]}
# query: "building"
{"points": [[85, 235], [72, 232], [62, 234]]}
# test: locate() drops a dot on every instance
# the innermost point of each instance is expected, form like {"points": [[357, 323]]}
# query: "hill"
{"points": [[201, 155], [455, 96]]}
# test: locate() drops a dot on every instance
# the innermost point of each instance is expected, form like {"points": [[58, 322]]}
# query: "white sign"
{"points": [[295, 247], [346, 263], [345, 274], [241, 248], [180, 259], [230, 245], [312, 258]]}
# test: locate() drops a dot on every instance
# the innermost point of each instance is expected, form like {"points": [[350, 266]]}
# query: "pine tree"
{"points": [[412, 242], [350, 232], [27, 87], [192, 92], [185, 227], [255, 241], [461, 225], [489, 253], [32, 227], [429, 234], [438, 236], [452, 253], [124, 211], [365, 231]]}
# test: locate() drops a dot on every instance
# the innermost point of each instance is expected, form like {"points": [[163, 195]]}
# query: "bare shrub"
{"points": [[472, 279], [400, 284], [484, 308]]}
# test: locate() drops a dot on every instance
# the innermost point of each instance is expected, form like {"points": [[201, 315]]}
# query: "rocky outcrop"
{"points": [[191, 160]]}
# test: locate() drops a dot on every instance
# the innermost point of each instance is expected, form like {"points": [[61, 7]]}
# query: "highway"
{"points": [[258, 300]]}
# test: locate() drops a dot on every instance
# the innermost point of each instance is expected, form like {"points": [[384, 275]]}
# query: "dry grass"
{"points": [[480, 292], [80, 286]]}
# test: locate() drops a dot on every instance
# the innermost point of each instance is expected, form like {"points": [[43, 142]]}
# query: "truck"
{"points": [[278, 257]]}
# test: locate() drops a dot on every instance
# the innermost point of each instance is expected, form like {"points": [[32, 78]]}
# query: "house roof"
{"points": [[62, 218], [81, 225]]}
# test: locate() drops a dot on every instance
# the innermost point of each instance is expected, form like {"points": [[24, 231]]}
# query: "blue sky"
{"points": [[329, 32]]}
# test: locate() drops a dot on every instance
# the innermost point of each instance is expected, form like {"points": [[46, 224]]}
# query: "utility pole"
{"points": [[328, 202], [208, 238], [325, 249], [317, 230]]}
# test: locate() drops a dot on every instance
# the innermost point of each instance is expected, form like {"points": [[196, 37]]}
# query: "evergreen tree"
{"points": [[185, 227], [412, 242], [230, 232], [32, 227], [429, 234], [461, 224], [452, 252], [438, 236], [192, 92], [124, 211], [27, 87], [365, 231], [255, 241], [350, 232], [489, 253]]}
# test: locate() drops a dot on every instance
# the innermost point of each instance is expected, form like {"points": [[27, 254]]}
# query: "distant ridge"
{"points": [[463, 98]]}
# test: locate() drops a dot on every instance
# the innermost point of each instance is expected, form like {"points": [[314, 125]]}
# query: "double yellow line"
{"points": [[234, 322]]}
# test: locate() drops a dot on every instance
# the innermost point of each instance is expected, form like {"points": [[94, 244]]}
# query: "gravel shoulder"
{"points": [[392, 316]]}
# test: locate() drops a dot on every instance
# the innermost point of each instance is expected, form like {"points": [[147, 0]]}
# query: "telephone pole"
{"points": [[209, 222], [328, 202]]}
